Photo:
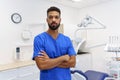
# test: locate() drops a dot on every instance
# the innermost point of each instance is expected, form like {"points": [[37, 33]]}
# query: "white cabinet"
{"points": [[84, 62], [30, 72]]}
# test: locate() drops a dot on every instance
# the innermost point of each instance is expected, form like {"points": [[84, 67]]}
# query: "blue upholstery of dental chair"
{"points": [[96, 75], [91, 75], [78, 75]]}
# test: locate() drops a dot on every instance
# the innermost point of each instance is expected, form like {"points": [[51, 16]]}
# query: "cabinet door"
{"points": [[84, 62], [8, 74], [28, 73]]}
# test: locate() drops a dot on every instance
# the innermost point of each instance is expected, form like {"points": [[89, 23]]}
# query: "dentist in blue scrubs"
{"points": [[53, 52]]}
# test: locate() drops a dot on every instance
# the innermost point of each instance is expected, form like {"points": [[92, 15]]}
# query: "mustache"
{"points": [[53, 23]]}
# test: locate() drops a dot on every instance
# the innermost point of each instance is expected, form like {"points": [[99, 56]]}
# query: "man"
{"points": [[53, 52]]}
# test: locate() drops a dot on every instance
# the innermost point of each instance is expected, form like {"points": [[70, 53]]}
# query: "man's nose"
{"points": [[54, 19]]}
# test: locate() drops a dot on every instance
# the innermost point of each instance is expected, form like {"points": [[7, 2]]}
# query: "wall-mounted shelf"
{"points": [[80, 53]]}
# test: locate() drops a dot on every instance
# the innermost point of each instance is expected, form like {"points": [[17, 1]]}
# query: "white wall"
{"points": [[32, 12], [109, 15]]}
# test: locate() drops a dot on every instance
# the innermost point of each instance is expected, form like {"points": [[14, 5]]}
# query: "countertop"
{"points": [[16, 64]]}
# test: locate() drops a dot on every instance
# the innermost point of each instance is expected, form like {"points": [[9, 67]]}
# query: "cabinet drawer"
{"points": [[28, 73], [28, 70], [8, 74]]}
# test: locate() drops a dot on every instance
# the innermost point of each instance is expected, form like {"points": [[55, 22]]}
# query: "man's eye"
{"points": [[51, 17], [57, 17]]}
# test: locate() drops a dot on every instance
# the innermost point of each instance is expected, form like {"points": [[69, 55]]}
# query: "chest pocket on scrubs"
{"points": [[63, 50]]}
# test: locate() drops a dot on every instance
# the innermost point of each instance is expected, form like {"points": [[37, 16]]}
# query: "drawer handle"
{"points": [[25, 75]]}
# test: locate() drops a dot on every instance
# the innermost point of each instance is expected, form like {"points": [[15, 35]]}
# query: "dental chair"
{"points": [[88, 75]]}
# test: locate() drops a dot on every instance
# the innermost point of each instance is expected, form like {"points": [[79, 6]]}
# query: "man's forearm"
{"points": [[49, 63], [68, 64]]}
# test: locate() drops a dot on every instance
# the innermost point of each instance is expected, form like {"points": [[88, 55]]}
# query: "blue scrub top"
{"points": [[54, 48]]}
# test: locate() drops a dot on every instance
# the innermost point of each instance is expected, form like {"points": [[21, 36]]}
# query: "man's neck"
{"points": [[53, 33]]}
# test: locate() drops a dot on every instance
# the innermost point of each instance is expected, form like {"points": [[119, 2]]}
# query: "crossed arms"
{"points": [[44, 62]]}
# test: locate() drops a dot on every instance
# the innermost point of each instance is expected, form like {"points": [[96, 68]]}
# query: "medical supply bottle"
{"points": [[17, 53]]}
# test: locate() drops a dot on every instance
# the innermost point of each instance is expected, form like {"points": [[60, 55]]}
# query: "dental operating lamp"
{"points": [[89, 20], [84, 25]]}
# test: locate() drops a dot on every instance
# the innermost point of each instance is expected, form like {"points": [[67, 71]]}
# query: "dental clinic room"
{"points": [[91, 27]]}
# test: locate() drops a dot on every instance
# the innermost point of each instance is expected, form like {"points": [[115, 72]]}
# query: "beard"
{"points": [[53, 27]]}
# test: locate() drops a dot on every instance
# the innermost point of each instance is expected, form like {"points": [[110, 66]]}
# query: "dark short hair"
{"points": [[53, 8]]}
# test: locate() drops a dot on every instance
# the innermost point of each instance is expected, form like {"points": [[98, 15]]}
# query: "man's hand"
{"points": [[68, 63], [43, 55], [66, 57]]}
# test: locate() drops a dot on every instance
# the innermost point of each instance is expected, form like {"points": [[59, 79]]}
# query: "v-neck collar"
{"points": [[52, 37]]}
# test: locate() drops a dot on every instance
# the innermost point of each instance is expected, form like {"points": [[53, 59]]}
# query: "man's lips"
{"points": [[53, 24]]}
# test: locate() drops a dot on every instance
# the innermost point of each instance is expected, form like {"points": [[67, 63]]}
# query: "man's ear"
{"points": [[60, 19]]}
